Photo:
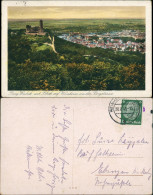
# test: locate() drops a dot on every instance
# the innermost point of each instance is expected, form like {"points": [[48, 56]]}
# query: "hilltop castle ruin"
{"points": [[36, 30]]}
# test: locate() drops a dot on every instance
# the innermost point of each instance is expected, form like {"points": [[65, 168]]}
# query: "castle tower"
{"points": [[41, 26]]}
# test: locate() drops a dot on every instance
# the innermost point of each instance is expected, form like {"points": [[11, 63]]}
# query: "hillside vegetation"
{"points": [[33, 65]]}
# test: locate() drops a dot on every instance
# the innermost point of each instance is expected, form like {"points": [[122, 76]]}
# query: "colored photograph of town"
{"points": [[76, 48]]}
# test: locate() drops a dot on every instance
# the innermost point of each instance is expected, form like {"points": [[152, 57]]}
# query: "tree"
{"points": [[133, 77], [19, 48]]}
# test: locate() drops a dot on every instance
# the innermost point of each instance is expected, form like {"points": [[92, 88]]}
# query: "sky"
{"points": [[64, 12]]}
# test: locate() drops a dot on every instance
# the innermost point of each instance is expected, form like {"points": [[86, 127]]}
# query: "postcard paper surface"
{"points": [[76, 49], [76, 146]]}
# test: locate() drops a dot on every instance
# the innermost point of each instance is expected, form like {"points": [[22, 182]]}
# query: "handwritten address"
{"points": [[55, 169]]}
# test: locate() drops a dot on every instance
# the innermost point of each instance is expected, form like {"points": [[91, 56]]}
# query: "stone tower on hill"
{"points": [[35, 30], [41, 26]]}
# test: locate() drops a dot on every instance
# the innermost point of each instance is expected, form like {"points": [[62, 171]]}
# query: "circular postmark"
{"points": [[114, 109], [125, 111]]}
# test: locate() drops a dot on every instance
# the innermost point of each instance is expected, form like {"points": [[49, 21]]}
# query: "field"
{"points": [[94, 25], [33, 65]]}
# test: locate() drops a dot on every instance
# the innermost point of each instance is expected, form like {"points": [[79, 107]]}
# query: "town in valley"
{"points": [[109, 41]]}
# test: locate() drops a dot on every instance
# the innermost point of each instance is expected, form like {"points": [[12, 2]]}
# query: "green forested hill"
{"points": [[32, 65]]}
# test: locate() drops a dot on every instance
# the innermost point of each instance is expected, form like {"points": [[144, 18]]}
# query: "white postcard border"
{"points": [[109, 93]]}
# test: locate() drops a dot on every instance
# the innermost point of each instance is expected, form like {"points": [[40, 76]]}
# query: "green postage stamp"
{"points": [[126, 111], [131, 112]]}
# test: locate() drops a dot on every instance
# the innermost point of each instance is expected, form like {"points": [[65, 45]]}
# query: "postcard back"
{"points": [[76, 146]]}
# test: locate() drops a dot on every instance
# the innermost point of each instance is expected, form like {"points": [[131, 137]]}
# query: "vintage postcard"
{"points": [[76, 49], [76, 146]]}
